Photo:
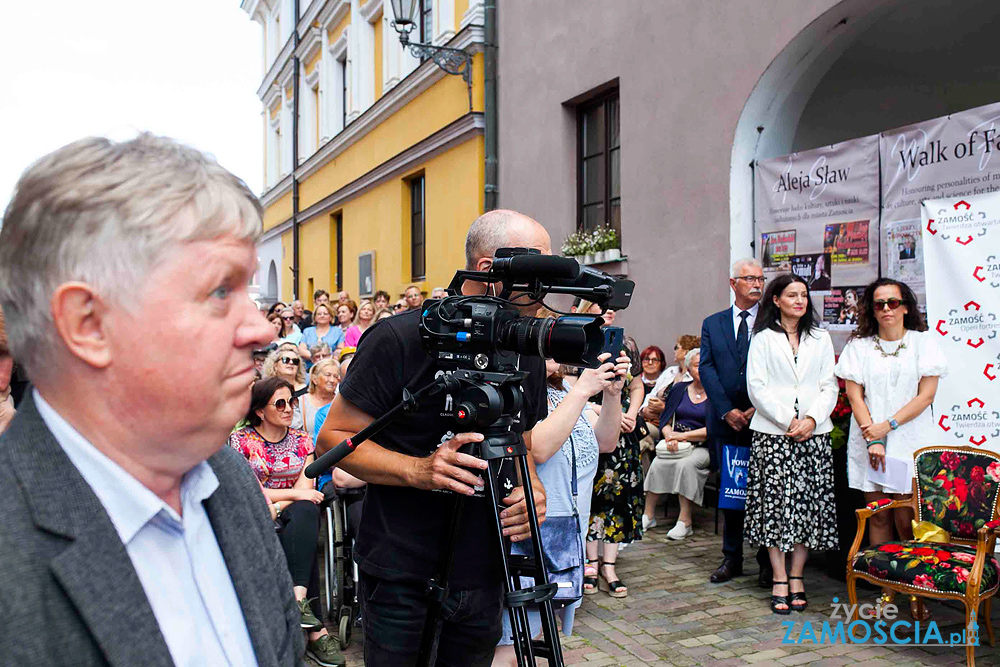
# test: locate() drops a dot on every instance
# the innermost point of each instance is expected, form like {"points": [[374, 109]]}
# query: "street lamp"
{"points": [[452, 61]]}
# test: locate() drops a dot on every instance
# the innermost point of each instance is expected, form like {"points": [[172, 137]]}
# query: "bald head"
{"points": [[503, 229]]}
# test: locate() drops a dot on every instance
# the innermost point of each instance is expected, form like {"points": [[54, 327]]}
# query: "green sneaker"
{"points": [[309, 620], [324, 651]]}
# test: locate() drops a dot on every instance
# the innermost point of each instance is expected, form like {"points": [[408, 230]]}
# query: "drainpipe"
{"points": [[295, 153], [490, 103]]}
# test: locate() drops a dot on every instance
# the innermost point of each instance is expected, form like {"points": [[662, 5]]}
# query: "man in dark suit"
{"points": [[131, 535], [725, 341]]}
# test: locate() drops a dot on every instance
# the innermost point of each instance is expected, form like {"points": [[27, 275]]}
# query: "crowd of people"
{"points": [[607, 444]]}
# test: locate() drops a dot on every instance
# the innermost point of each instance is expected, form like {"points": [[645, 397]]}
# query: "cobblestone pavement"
{"points": [[674, 616]]}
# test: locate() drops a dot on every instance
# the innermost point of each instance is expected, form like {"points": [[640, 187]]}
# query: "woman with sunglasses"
{"points": [[286, 364], [891, 366], [278, 454], [323, 330], [289, 330]]}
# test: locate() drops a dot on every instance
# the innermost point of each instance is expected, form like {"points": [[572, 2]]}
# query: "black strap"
{"points": [[573, 483]]}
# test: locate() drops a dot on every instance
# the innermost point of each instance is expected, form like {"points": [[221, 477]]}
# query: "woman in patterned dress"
{"points": [[278, 455], [790, 506], [617, 503]]}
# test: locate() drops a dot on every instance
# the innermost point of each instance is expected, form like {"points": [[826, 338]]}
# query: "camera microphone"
{"points": [[524, 268]]}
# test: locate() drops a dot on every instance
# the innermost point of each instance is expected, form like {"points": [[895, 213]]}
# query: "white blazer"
{"points": [[775, 380]]}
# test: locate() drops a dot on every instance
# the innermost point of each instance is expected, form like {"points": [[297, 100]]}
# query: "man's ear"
{"points": [[81, 320], [484, 264]]}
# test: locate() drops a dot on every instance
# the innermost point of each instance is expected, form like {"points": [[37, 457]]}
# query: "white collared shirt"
{"points": [[177, 558], [751, 318]]}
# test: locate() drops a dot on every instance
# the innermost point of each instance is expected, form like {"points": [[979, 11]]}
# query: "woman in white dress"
{"points": [[891, 367]]}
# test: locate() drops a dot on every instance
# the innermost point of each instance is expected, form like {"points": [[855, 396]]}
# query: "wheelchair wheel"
{"points": [[331, 592], [340, 557], [346, 627]]}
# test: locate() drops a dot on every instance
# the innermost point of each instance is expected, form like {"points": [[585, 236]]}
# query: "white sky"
{"points": [[188, 69]]}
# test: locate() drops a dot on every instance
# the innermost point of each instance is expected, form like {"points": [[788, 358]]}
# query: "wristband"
{"points": [[876, 442]]}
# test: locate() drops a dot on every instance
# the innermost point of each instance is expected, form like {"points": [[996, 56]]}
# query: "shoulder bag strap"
{"points": [[572, 449]]}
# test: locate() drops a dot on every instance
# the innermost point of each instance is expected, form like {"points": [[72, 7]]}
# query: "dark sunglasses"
{"points": [[893, 304], [397, 307], [294, 361], [289, 318], [283, 403]]}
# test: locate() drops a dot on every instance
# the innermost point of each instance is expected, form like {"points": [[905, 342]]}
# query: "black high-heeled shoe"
{"points": [[616, 588], [590, 582], [798, 597], [780, 599]]}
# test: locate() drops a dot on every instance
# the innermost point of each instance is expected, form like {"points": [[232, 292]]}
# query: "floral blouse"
{"points": [[276, 464]]}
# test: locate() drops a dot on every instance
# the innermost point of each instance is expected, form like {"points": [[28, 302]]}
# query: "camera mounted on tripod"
{"points": [[487, 332]]}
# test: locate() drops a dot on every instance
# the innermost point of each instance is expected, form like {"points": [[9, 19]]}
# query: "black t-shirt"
{"points": [[403, 529]]}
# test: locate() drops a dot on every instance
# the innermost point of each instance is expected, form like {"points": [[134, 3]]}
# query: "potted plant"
{"points": [[612, 246], [572, 247], [587, 247]]}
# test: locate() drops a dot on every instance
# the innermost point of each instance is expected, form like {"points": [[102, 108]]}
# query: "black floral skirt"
{"points": [[790, 493], [617, 504]]}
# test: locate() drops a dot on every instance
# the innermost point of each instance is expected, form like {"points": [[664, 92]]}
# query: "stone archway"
{"points": [[862, 67], [272, 282]]}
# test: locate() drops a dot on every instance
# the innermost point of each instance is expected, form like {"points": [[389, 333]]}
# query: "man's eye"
{"points": [[221, 292]]}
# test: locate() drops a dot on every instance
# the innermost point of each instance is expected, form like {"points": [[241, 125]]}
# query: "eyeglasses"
{"points": [[282, 403], [655, 360], [288, 319], [397, 307], [893, 304], [294, 361], [752, 280]]}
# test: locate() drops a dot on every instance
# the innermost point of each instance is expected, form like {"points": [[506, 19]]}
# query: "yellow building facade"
{"points": [[390, 155]]}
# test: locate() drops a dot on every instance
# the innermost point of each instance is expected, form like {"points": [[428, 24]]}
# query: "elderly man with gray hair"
{"points": [[131, 535]]}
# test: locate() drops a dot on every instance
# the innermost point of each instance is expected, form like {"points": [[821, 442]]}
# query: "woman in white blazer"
{"points": [[790, 506]]}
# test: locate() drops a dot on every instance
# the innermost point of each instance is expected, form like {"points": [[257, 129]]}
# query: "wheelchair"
{"points": [[338, 588]]}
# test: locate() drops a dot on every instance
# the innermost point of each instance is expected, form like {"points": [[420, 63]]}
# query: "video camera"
{"points": [[485, 332]]}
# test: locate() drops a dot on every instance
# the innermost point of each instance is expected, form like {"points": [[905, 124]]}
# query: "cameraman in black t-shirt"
{"points": [[404, 518]]}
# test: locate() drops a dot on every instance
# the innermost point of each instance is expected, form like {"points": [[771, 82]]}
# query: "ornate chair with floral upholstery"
{"points": [[957, 490]]}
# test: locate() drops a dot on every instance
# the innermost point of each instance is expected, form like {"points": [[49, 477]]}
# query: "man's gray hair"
{"points": [[741, 264], [488, 233], [689, 357], [106, 213]]}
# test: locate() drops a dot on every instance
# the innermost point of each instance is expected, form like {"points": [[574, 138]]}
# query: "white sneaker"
{"points": [[680, 531], [647, 523]]}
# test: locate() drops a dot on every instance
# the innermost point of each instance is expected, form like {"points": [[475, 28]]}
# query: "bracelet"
{"points": [[876, 442]]}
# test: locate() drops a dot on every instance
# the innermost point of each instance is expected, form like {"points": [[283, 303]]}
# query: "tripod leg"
{"points": [[549, 629]]}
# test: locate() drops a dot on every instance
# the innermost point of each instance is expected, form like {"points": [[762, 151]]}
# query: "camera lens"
{"points": [[571, 339]]}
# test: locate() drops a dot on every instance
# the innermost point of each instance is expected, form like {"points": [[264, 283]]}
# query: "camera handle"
{"points": [[499, 443]]}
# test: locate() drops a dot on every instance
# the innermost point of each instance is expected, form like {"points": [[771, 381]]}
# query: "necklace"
{"points": [[697, 394], [878, 346]]}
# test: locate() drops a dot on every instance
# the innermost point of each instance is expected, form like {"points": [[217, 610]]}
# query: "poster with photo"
{"points": [[777, 247], [840, 308], [814, 269], [904, 254], [847, 242]]}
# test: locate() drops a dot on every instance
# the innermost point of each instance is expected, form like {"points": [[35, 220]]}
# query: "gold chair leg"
{"points": [[970, 649]]}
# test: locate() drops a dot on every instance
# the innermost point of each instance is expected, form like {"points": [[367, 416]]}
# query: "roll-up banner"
{"points": [[954, 156], [961, 238], [816, 215]]}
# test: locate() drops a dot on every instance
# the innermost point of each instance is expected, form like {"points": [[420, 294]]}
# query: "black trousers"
{"points": [[394, 612], [298, 539]]}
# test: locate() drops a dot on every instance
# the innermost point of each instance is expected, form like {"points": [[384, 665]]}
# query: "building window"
{"points": [[599, 171], [417, 229], [426, 21]]}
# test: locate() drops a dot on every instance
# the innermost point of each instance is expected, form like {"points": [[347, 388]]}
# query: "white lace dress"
{"points": [[890, 381]]}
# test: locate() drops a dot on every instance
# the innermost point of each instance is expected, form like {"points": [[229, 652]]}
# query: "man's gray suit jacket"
{"points": [[68, 592]]}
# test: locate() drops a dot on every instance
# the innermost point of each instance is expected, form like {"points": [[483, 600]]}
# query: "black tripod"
{"points": [[487, 402]]}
